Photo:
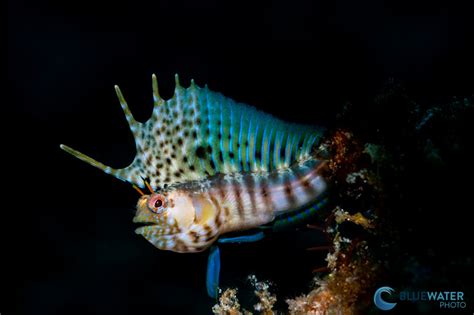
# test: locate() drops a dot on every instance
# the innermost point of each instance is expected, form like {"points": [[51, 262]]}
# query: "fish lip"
{"points": [[140, 230], [144, 224]]}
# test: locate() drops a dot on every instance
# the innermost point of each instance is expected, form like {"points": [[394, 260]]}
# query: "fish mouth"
{"points": [[143, 222], [143, 226]]}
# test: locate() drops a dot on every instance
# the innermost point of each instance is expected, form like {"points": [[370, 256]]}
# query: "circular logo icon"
{"points": [[379, 302]]}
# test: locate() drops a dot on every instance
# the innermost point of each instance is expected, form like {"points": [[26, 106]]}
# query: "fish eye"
{"points": [[157, 203]]}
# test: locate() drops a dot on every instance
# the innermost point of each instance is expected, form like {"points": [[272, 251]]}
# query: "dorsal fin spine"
{"points": [[134, 125], [156, 95], [81, 156], [176, 80]]}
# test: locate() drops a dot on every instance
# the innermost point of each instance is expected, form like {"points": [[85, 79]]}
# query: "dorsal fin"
{"points": [[199, 133]]}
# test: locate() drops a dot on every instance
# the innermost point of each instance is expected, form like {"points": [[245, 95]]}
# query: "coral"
{"points": [[344, 151], [266, 299], [358, 218], [347, 288], [353, 268], [228, 304]]}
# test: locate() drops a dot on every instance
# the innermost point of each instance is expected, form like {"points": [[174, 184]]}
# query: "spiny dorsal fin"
{"points": [[199, 133]]}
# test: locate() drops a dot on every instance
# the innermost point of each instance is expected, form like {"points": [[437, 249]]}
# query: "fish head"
{"points": [[177, 220]]}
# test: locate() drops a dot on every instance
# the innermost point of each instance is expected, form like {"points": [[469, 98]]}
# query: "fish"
{"points": [[215, 166]]}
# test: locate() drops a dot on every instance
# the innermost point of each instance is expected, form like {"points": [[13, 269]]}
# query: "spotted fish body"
{"points": [[215, 166]]}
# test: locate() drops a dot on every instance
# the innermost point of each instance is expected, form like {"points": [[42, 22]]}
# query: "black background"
{"points": [[69, 241]]}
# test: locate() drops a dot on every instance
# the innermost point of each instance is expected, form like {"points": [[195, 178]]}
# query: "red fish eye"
{"points": [[157, 203]]}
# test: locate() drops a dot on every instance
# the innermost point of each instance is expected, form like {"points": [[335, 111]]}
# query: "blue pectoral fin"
{"points": [[213, 270], [242, 239]]}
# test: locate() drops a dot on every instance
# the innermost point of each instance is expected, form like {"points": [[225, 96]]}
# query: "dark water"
{"points": [[69, 245]]}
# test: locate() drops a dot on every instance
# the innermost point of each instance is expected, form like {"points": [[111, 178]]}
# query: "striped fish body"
{"points": [[215, 166], [251, 200], [231, 203]]}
